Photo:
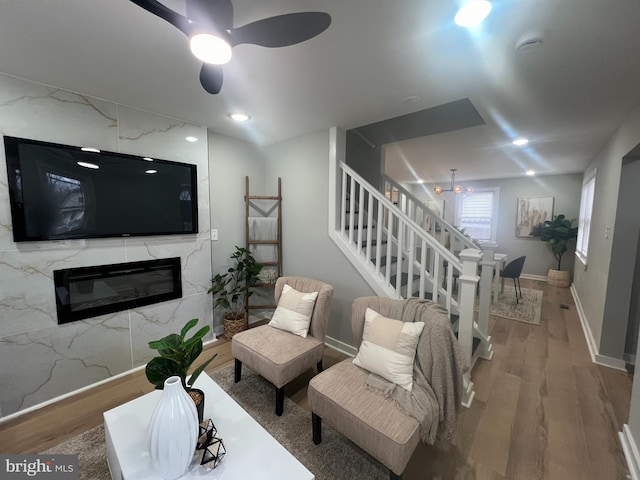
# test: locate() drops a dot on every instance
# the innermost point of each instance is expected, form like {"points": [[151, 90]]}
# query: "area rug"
{"points": [[527, 310], [335, 458]]}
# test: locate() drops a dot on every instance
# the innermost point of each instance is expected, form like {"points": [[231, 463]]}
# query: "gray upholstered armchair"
{"points": [[280, 356], [342, 394]]}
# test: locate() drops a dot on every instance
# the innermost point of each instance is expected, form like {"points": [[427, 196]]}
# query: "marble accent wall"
{"points": [[40, 359]]}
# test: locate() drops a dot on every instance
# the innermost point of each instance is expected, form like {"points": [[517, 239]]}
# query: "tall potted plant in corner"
{"points": [[232, 289], [557, 233], [176, 355]]}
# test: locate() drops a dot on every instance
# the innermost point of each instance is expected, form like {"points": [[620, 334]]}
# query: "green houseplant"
{"points": [[176, 355], [232, 289], [557, 233]]}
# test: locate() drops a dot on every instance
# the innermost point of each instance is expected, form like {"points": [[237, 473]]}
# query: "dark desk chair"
{"points": [[513, 270]]}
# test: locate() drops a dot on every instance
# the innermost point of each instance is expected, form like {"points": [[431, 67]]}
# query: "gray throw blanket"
{"points": [[437, 373]]}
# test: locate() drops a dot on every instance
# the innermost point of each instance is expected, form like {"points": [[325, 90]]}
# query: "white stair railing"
{"points": [[381, 234], [454, 240], [376, 235]]}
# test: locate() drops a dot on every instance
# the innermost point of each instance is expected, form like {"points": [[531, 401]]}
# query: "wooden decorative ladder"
{"points": [[265, 209]]}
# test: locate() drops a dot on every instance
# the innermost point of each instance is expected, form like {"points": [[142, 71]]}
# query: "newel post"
{"points": [[484, 303], [468, 282]]}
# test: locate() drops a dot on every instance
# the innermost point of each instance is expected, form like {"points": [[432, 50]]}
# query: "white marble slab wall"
{"points": [[39, 359]]}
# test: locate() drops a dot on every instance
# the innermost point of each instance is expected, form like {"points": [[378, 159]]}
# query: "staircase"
{"points": [[386, 242]]}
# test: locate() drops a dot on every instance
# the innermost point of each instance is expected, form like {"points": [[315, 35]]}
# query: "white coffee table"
{"points": [[252, 453]]}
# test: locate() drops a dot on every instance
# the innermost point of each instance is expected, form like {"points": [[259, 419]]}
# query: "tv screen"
{"points": [[63, 192]]}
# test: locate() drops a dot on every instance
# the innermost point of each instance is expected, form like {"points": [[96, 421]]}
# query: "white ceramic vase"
{"points": [[173, 431]]}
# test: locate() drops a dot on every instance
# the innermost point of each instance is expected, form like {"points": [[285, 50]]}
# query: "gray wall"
{"points": [[565, 189], [364, 159], [303, 165], [623, 266], [230, 161], [592, 282]]}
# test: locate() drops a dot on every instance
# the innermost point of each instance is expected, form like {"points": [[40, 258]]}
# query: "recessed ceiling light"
{"points": [[420, 181], [239, 117], [90, 149], [520, 141], [531, 173], [151, 171], [191, 139], [88, 165], [210, 49], [148, 159], [472, 13]]}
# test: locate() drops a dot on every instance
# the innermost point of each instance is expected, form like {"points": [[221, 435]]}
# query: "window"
{"points": [[476, 213], [584, 220]]}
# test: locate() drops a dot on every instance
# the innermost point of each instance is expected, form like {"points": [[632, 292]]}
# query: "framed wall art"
{"points": [[532, 212]]}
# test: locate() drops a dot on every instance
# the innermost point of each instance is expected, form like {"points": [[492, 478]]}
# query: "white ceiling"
{"points": [[567, 96]]}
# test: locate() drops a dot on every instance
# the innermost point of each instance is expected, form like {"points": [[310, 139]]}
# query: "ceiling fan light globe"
{"points": [[469, 189], [438, 190], [457, 189], [210, 49], [472, 13]]}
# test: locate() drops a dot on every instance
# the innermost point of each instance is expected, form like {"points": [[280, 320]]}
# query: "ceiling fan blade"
{"points": [[211, 78], [282, 30], [216, 13], [181, 22]]}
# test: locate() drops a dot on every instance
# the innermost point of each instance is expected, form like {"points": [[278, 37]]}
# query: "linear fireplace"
{"points": [[86, 292]]}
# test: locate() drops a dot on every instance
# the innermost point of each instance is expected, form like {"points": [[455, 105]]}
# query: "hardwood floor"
{"points": [[542, 409]]}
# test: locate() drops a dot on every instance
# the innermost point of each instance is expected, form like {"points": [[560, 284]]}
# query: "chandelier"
{"points": [[453, 188]]}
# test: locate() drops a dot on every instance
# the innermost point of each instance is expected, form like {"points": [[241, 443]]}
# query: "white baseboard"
{"points": [[611, 362], [340, 346], [51, 401], [630, 451], [596, 357], [468, 394], [541, 278], [33, 408]]}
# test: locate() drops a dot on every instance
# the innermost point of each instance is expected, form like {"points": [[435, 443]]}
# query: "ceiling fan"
{"points": [[209, 26]]}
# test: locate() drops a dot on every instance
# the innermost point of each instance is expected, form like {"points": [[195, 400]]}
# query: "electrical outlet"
{"points": [[214, 234]]}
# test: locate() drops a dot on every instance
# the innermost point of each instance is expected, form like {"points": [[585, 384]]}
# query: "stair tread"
{"points": [[404, 279], [475, 343], [427, 295], [374, 242], [383, 260]]}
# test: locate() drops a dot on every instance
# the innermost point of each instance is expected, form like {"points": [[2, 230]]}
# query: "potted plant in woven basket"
{"points": [[557, 232], [232, 289], [177, 354]]}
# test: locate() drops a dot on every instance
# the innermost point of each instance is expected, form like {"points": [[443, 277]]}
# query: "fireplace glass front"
{"points": [[87, 292]]}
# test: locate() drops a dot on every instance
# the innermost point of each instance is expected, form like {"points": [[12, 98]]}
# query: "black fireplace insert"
{"points": [[87, 292]]}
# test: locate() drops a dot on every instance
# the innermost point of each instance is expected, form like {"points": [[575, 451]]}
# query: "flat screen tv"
{"points": [[62, 192]]}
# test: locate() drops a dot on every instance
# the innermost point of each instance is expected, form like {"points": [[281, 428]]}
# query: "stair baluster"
{"points": [[420, 258]]}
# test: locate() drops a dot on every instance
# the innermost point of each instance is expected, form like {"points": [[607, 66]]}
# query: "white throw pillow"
{"points": [[294, 310], [389, 347]]}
